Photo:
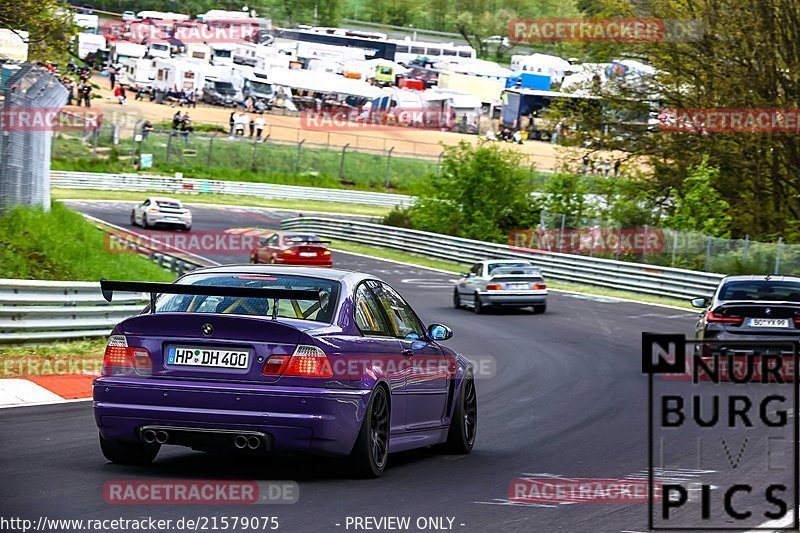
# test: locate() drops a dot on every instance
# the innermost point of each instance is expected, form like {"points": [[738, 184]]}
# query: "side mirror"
{"points": [[464, 275], [700, 303], [439, 332]]}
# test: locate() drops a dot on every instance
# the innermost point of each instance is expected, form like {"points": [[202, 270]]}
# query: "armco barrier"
{"points": [[633, 277], [35, 310], [166, 184]]}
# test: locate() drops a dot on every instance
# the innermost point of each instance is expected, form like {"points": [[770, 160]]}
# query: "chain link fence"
{"points": [[32, 97], [660, 246], [245, 158]]}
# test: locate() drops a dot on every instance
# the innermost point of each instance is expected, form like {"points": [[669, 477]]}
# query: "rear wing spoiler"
{"points": [[108, 288]]}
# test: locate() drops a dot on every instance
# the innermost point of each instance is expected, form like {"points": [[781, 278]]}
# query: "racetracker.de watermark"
{"points": [[187, 32], [548, 490], [377, 119], [617, 30], [196, 242], [730, 120], [591, 240], [49, 119], [194, 492]]}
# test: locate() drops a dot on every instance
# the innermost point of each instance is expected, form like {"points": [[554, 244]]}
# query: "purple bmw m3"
{"points": [[265, 359]]}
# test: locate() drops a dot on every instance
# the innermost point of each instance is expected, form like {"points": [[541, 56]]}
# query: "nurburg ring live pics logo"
{"points": [[722, 414]]}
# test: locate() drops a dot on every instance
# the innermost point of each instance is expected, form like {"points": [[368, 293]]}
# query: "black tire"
{"points": [[456, 299], [133, 218], [145, 225], [128, 453], [464, 425], [478, 307], [371, 450], [539, 309]]}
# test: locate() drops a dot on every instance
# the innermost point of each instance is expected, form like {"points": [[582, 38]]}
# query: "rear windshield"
{"points": [[302, 309], [296, 239], [761, 290], [170, 205], [515, 266]]}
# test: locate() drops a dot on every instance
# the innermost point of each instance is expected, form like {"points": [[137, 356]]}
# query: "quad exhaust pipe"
{"points": [[243, 441]]}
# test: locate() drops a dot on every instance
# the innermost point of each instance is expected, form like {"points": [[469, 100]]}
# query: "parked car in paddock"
{"points": [[303, 249], [160, 211], [262, 359], [495, 283], [751, 308]]}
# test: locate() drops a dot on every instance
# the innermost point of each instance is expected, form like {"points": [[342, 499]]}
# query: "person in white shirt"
{"points": [[260, 123], [238, 124]]}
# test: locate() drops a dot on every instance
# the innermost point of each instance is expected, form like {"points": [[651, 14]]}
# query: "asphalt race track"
{"points": [[566, 398]]}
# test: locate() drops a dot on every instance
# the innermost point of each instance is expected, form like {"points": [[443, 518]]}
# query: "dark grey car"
{"points": [[751, 308]]}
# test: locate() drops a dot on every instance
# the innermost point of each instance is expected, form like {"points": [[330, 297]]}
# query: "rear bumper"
{"points": [[746, 344], [317, 420], [516, 299], [174, 220]]}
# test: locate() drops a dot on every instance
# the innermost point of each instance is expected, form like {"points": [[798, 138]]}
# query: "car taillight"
{"points": [[153, 211], [720, 319], [288, 251], [494, 287], [539, 286], [326, 252], [306, 361], [122, 359]]}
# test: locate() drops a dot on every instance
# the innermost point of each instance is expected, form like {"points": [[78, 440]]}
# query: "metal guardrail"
{"points": [[633, 277], [167, 184], [37, 310]]}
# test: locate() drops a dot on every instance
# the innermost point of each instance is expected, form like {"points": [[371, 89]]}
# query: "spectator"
{"points": [[186, 127], [119, 93], [191, 99], [232, 123], [147, 127], [87, 95], [140, 92], [240, 120], [617, 165], [252, 127], [176, 120], [260, 123], [112, 76], [70, 85]]}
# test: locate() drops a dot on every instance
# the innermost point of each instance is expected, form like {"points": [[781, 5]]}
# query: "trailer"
{"points": [[139, 72], [179, 74]]}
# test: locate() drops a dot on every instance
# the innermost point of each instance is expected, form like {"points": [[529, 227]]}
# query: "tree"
{"points": [[699, 206], [745, 56], [47, 23], [481, 193]]}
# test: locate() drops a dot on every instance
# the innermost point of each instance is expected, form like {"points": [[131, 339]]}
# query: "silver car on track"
{"points": [[498, 283]]}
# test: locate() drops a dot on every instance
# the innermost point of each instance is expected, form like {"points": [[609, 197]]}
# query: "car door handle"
{"points": [[408, 352]]}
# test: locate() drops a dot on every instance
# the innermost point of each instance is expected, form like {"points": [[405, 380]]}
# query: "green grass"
{"points": [[80, 348], [62, 245], [457, 268], [241, 160], [249, 201]]}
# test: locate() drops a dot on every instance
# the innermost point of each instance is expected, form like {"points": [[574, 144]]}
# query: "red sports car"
{"points": [[292, 249]]}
